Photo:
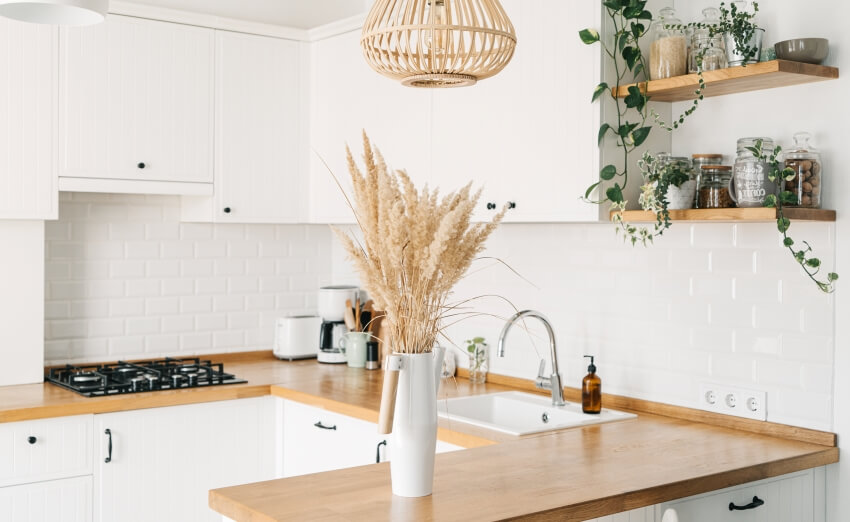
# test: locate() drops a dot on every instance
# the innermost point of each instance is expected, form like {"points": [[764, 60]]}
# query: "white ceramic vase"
{"points": [[414, 435]]}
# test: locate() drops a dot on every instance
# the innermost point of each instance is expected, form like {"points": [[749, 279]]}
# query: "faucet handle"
{"points": [[541, 372]]}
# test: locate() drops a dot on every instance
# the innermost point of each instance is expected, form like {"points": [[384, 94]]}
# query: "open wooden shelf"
{"points": [[738, 215], [754, 77]]}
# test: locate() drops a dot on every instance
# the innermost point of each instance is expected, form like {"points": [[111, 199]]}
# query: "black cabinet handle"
{"points": [[511, 204], [491, 206], [322, 426], [141, 165], [378, 451], [32, 440], [227, 210], [108, 459], [752, 505]]}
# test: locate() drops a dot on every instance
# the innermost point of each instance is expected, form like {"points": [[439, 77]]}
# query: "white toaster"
{"points": [[297, 337]]}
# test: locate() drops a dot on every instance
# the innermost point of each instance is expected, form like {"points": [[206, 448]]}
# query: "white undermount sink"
{"points": [[518, 413]]}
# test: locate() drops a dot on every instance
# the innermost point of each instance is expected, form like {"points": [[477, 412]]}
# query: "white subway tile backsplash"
{"points": [[89, 309], [126, 269], [178, 324], [159, 344], [160, 231], [126, 231], [126, 307], [106, 327], [127, 346], [228, 303], [141, 250], [143, 325], [143, 287], [163, 268], [229, 267], [209, 322], [196, 304], [162, 306], [781, 373], [178, 287], [210, 285], [230, 339], [196, 267]]}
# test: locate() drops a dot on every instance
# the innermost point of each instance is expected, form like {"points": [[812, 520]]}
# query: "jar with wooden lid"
{"points": [[713, 190], [805, 161], [698, 160], [668, 53]]}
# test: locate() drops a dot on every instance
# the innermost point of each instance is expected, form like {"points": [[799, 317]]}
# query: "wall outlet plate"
{"points": [[732, 400]]}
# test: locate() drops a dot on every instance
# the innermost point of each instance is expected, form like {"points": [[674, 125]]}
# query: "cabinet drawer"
{"points": [[788, 498], [67, 500], [49, 449]]}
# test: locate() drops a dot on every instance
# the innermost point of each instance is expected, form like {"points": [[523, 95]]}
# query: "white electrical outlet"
{"points": [[731, 400]]}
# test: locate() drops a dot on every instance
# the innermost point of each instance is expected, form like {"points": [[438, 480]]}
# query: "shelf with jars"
{"points": [[753, 77], [738, 215]]}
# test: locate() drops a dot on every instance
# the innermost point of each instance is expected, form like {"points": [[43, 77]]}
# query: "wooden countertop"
{"points": [[574, 474]]}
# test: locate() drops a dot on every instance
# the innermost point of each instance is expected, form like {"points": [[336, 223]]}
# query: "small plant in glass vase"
{"points": [[804, 255], [477, 350]]}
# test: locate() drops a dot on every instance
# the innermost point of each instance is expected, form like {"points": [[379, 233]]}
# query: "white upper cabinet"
{"points": [[347, 98], [136, 102], [528, 134], [28, 61], [260, 136]]}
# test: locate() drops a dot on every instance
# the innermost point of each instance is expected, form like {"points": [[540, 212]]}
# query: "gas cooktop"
{"points": [[124, 377]]}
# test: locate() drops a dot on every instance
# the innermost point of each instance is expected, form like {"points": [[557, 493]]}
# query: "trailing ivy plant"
{"points": [[738, 23], [804, 255], [629, 19]]}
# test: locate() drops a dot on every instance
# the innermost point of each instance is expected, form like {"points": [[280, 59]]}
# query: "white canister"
{"points": [[297, 337], [332, 301]]}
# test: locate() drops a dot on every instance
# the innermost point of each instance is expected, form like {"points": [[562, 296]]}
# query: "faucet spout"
{"points": [[553, 382]]}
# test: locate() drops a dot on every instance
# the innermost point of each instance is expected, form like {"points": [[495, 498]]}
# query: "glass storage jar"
{"points": [[714, 187], [668, 53], [750, 183], [713, 44], [697, 161], [805, 161]]}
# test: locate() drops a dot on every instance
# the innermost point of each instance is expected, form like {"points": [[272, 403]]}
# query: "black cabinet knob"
{"points": [[32, 440], [141, 165], [491, 206], [511, 204], [227, 210]]}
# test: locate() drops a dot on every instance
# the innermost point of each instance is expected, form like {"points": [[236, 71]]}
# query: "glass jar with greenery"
{"points": [[476, 348]]}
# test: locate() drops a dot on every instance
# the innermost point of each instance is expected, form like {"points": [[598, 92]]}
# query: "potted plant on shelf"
{"points": [[743, 37], [415, 247]]}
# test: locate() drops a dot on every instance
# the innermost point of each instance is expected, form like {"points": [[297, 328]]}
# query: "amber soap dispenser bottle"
{"points": [[591, 390]]}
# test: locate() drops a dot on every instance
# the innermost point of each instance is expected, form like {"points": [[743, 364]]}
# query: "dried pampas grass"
{"points": [[416, 246]]}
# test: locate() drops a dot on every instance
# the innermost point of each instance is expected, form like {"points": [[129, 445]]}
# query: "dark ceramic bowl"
{"points": [[806, 50]]}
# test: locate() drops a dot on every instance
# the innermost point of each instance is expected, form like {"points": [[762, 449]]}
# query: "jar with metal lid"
{"points": [[668, 53], [750, 183], [707, 54], [682, 186], [713, 189], [805, 161]]}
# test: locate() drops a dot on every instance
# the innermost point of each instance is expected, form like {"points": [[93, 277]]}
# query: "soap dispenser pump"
{"points": [[591, 390]]}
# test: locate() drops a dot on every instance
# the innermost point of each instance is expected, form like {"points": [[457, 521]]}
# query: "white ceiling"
{"points": [[301, 14]]}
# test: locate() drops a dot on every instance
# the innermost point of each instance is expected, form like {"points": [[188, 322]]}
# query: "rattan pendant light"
{"points": [[438, 43]]}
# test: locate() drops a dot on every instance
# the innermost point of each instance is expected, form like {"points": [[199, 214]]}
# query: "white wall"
{"points": [[125, 279], [821, 109], [22, 305]]}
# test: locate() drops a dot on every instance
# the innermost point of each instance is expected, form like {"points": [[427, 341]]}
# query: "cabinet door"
{"points": [[67, 500], [165, 460], [646, 514], [528, 134], [27, 120], [136, 101], [348, 98], [316, 440], [258, 130], [788, 498]]}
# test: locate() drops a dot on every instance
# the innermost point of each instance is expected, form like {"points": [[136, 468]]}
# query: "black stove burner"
{"points": [[124, 377]]}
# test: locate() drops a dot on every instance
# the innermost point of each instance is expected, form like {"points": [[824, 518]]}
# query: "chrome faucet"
{"points": [[553, 382]]}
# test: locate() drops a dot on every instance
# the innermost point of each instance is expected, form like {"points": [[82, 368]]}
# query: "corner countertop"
{"points": [[574, 474]]}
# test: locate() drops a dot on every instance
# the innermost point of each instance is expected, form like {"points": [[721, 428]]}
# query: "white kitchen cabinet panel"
{"points": [[796, 497], [28, 62], [316, 440], [646, 514], [67, 500], [165, 460], [259, 121], [529, 133], [47, 449], [347, 98], [136, 101]]}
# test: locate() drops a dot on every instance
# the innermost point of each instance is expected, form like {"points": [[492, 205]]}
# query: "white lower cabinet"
{"points": [[66, 500], [796, 497], [315, 440], [646, 514], [160, 463]]}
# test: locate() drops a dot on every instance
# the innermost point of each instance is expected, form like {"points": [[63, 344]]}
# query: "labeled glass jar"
{"points": [[750, 182], [805, 161], [668, 53], [713, 189]]}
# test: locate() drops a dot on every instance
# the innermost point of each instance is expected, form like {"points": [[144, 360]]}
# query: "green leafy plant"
{"points": [[477, 351], [779, 174], [740, 25]]}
